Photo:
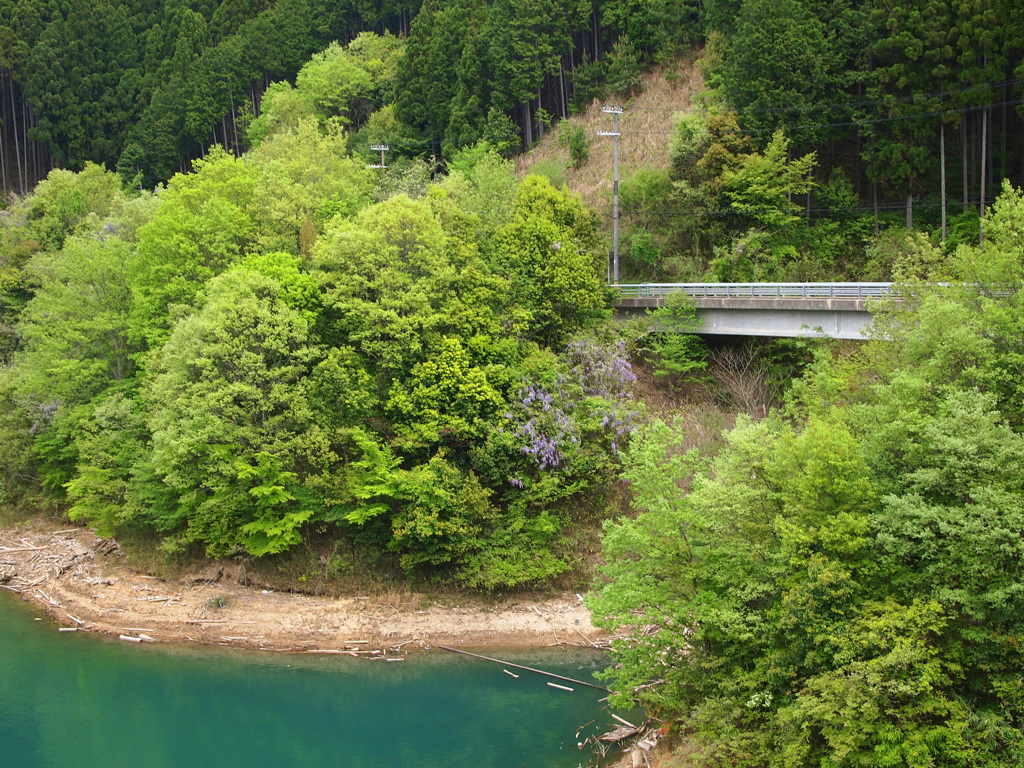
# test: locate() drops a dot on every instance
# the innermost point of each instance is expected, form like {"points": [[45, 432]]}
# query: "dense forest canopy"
{"points": [[284, 344], [898, 114], [224, 331]]}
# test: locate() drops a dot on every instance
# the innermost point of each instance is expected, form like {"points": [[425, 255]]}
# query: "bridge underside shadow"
{"points": [[831, 318]]}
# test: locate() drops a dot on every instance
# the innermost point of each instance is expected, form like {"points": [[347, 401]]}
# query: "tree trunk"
{"points": [[1003, 162], [984, 159], [540, 120], [963, 157], [874, 202], [942, 173], [234, 129], [810, 177], [17, 149], [561, 89], [527, 125], [910, 205], [990, 149], [24, 142], [3, 141]]}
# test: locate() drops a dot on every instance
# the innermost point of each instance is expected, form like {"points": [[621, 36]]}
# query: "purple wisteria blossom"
{"points": [[543, 426], [46, 413], [586, 404], [601, 371]]}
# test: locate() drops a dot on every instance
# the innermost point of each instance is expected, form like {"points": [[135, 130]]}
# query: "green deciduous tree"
{"points": [[75, 331], [303, 175], [202, 225], [233, 432], [548, 251]]}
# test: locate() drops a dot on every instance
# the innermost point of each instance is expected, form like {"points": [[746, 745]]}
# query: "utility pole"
{"points": [[614, 111], [382, 148]]}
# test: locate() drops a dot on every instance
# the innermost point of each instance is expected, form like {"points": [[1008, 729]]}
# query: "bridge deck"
{"points": [[837, 310]]}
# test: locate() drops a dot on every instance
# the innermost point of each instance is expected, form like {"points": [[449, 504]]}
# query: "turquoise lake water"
{"points": [[69, 700]]}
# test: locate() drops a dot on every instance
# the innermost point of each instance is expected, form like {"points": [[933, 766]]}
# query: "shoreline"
{"points": [[82, 582]]}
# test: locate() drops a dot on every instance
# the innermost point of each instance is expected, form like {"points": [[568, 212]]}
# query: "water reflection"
{"points": [[68, 699]]}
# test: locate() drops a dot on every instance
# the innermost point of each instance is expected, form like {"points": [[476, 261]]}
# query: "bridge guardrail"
{"points": [[757, 290]]}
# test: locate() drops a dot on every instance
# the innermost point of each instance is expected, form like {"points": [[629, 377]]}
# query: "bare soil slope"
{"points": [[646, 126]]}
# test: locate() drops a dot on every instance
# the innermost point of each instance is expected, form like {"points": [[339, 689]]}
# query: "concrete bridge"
{"points": [[835, 310]]}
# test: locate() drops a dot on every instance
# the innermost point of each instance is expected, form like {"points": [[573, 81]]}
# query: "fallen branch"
{"points": [[583, 636], [217, 621], [528, 669]]}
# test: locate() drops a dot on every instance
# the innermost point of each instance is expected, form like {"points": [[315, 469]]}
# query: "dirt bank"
{"points": [[83, 581]]}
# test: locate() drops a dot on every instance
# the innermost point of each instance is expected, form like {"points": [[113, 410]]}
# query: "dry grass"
{"points": [[401, 598], [646, 127]]}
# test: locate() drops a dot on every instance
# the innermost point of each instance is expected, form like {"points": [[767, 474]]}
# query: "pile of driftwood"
{"points": [[637, 740], [27, 562]]}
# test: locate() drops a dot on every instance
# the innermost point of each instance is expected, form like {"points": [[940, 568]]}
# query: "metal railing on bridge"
{"points": [[756, 290]]}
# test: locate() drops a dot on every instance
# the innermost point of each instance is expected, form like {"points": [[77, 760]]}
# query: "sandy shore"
{"points": [[82, 581]]}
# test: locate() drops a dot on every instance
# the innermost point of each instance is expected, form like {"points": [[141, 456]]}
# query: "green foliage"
{"points": [[333, 86], [501, 133], [256, 352], [678, 350], [441, 521], [202, 225], [62, 203], [277, 522], [642, 249], [548, 251], [303, 174], [844, 588], [231, 421], [487, 188], [111, 444], [660, 29], [647, 190], [898, 254], [624, 68], [575, 138], [444, 397], [75, 330], [761, 189], [588, 82]]}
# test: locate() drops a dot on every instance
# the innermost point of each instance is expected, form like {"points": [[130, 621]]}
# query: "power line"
{"points": [[847, 105], [819, 210], [844, 124]]}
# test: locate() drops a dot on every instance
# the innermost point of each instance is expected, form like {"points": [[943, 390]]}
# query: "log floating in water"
{"points": [[561, 687], [510, 674], [528, 669]]}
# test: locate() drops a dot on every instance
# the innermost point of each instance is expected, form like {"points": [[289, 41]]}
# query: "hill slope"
{"points": [[646, 127]]}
